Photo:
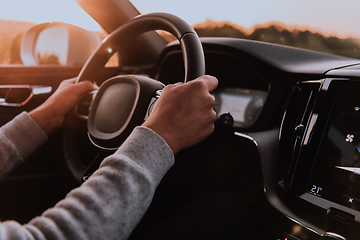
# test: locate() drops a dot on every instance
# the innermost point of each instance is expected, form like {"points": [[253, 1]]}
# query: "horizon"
{"points": [[331, 18], [281, 25], [247, 31]]}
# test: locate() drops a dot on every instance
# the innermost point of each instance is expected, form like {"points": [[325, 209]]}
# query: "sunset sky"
{"points": [[333, 17], [337, 17]]}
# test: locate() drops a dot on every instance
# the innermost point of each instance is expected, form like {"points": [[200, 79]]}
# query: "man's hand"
{"points": [[51, 114], [183, 116]]}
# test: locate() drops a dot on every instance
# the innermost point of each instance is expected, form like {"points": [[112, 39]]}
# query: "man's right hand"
{"points": [[184, 115]]}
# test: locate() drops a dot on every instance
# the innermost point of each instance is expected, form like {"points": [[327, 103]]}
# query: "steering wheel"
{"points": [[122, 102]]}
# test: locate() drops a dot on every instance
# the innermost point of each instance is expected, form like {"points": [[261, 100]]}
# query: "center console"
{"points": [[318, 169]]}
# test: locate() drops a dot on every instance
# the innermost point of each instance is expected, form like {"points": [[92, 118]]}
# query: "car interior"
{"points": [[282, 161]]}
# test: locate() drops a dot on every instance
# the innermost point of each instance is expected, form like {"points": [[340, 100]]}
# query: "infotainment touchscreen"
{"points": [[336, 174]]}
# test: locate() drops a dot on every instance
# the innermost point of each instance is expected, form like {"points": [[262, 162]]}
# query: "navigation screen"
{"points": [[336, 176]]}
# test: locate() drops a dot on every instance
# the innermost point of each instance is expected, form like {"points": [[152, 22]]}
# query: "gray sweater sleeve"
{"points": [[111, 202], [18, 140]]}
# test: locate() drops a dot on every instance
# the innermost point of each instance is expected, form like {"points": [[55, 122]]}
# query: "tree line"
{"points": [[274, 33], [11, 33]]}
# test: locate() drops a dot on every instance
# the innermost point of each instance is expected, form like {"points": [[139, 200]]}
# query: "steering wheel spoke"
{"points": [[82, 109]]}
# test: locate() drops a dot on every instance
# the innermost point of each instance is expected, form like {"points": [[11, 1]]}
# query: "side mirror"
{"points": [[57, 44]]}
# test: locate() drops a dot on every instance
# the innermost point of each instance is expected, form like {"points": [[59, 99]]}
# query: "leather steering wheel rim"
{"points": [[194, 61], [194, 65]]}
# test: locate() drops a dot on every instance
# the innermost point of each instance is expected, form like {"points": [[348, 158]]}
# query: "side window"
{"points": [[57, 44], [52, 44], [23, 41], [10, 40]]}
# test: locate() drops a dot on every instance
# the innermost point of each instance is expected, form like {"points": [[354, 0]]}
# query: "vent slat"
{"points": [[294, 124]]}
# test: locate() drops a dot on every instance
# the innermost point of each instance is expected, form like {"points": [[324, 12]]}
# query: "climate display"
{"points": [[336, 175]]}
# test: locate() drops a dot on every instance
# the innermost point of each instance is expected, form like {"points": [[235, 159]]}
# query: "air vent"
{"points": [[293, 128]]}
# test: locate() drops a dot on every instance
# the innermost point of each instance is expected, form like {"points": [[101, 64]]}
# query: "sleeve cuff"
{"points": [[147, 149], [25, 134]]}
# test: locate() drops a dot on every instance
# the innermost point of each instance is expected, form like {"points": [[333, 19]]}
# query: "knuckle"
{"points": [[209, 129], [212, 117], [209, 117], [211, 79], [170, 87], [209, 101], [214, 78], [212, 100], [167, 88], [197, 85]]}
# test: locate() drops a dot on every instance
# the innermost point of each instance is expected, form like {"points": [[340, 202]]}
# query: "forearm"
{"points": [[46, 119], [112, 201]]}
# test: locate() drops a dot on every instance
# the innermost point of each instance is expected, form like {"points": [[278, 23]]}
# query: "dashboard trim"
{"points": [[326, 204]]}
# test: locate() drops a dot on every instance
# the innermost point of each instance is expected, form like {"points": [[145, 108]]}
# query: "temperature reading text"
{"points": [[316, 190]]}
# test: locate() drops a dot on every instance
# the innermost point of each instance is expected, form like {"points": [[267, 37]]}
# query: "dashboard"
{"points": [[301, 110], [322, 167], [336, 172]]}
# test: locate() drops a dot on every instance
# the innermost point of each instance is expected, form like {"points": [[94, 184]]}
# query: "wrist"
{"points": [[165, 135], [46, 119]]}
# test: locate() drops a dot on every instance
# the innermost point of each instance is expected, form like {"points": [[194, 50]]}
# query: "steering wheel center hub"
{"points": [[113, 107], [120, 104]]}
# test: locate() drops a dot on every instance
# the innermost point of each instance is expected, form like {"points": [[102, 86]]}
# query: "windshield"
{"points": [[323, 25]]}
